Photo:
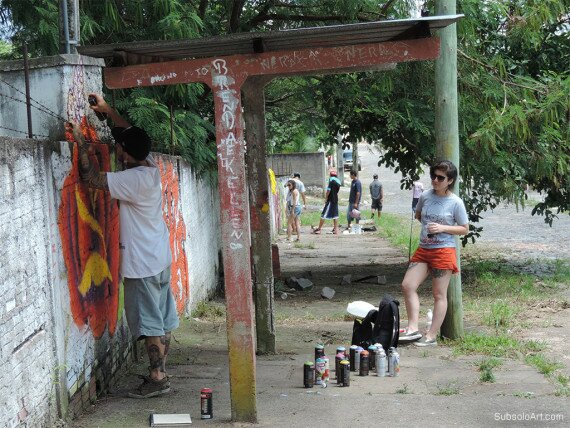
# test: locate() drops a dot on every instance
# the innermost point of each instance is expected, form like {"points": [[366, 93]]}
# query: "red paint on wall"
{"points": [[172, 212], [88, 222]]}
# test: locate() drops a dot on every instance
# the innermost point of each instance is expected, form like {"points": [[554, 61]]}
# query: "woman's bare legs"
{"points": [[440, 282], [298, 226], [415, 275]]}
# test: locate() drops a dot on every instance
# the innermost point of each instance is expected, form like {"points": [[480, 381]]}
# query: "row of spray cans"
{"points": [[358, 360], [375, 359]]}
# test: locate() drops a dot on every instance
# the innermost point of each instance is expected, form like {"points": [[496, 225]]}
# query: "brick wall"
{"points": [[26, 334], [54, 361]]}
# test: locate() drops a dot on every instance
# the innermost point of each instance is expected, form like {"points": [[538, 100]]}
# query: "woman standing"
{"points": [[293, 210], [442, 214], [330, 210]]}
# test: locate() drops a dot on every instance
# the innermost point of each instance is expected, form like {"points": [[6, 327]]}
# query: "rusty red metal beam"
{"points": [[282, 63]]}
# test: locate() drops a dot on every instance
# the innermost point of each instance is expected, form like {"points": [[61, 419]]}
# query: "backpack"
{"points": [[379, 326]]}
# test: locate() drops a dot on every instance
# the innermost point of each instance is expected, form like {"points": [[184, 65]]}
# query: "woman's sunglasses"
{"points": [[440, 178]]}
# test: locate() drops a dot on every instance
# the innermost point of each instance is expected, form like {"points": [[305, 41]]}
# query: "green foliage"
{"points": [[208, 310], [513, 82], [501, 314], [542, 364], [497, 345]]}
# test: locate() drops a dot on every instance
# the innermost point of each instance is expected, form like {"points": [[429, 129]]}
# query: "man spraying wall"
{"points": [[144, 242]]}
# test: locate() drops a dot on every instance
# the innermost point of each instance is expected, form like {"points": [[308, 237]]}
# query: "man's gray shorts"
{"points": [[150, 305]]}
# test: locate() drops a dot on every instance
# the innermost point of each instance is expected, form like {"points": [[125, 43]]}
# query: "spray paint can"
{"points": [[359, 349], [206, 404], [319, 371], [319, 351], [308, 374], [352, 354], [372, 357], [364, 363], [337, 359], [344, 379], [390, 361], [395, 366], [341, 350], [327, 373], [381, 362]]}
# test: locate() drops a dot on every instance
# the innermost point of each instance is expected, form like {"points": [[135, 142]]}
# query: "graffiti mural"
{"points": [[88, 222], [172, 213]]}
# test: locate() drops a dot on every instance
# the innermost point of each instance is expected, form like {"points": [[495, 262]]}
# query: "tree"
{"points": [[514, 87]]}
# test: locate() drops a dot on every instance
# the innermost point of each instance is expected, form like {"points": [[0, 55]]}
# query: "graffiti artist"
{"points": [[144, 241]]}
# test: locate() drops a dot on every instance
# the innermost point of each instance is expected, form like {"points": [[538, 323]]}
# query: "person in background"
{"points": [[377, 195], [293, 210], [417, 190], [144, 242], [443, 215], [300, 188], [354, 197], [330, 210]]}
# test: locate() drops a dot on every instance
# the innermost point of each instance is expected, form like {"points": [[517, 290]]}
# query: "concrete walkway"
{"points": [[434, 388]]}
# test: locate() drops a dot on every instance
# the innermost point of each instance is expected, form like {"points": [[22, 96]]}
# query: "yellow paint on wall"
{"points": [[265, 208], [86, 216], [96, 271], [272, 181]]}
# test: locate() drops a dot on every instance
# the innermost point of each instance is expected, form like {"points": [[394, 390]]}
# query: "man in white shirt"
{"points": [[144, 242]]}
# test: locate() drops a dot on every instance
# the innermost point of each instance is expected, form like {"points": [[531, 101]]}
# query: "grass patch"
{"points": [[486, 368], [501, 315], [396, 229], [448, 389], [311, 218], [403, 390], [542, 364], [208, 310], [526, 394], [497, 345]]}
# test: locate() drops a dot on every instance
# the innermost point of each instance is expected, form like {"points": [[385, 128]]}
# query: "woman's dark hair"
{"points": [[446, 167], [292, 183]]}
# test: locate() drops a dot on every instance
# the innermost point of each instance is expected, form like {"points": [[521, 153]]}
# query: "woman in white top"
{"points": [[293, 210]]}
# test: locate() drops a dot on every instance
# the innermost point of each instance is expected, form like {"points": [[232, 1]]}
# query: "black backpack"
{"points": [[380, 325]]}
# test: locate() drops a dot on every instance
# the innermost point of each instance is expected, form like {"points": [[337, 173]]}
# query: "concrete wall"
{"points": [[311, 166], [63, 334]]}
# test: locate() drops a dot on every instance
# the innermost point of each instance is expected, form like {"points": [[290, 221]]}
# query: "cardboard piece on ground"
{"points": [[174, 420]]}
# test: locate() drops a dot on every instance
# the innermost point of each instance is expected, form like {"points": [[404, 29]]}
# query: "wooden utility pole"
{"points": [[447, 146]]}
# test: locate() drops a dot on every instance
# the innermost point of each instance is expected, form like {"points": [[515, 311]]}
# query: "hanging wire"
{"points": [[38, 105], [22, 132]]}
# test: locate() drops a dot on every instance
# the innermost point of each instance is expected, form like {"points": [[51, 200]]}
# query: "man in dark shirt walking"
{"points": [[354, 199]]}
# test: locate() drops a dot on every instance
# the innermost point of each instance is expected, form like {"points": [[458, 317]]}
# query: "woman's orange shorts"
{"points": [[437, 258]]}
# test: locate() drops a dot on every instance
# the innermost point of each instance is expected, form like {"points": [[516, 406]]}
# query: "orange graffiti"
{"points": [[172, 213], [88, 222]]}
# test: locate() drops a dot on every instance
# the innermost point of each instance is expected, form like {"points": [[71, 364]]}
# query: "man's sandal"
{"points": [[316, 231]]}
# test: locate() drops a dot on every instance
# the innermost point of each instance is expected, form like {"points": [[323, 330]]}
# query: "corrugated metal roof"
{"points": [[250, 43]]}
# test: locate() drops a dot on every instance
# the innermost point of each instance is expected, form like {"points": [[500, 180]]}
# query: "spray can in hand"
{"points": [[92, 100]]}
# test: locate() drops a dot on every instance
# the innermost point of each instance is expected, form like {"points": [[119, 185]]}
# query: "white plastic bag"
{"points": [[359, 308]]}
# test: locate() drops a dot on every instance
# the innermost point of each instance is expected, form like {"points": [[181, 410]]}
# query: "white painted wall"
{"points": [[49, 364]]}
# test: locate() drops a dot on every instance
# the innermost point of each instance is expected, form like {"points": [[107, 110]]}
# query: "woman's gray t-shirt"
{"points": [[447, 210]]}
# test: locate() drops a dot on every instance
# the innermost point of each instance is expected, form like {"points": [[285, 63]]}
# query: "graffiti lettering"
{"points": [[223, 82], [220, 66]]}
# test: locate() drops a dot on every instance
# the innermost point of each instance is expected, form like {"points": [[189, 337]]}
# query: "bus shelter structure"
{"points": [[237, 67]]}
